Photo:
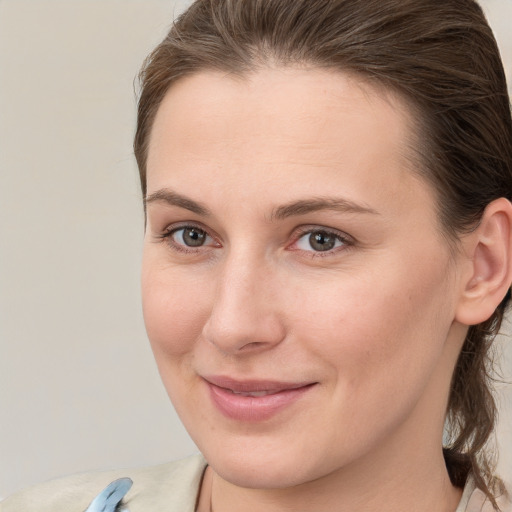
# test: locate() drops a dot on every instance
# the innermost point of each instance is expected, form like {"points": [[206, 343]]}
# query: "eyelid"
{"points": [[167, 236], [348, 241], [175, 226]]}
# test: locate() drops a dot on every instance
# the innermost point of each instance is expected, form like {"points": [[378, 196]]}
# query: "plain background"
{"points": [[78, 386]]}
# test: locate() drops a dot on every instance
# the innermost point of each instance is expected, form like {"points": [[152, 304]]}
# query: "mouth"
{"points": [[254, 400], [253, 393]]}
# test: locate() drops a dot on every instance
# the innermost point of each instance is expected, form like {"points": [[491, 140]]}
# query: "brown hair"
{"points": [[441, 57]]}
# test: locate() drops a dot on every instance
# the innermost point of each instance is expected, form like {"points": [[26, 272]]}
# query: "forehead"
{"points": [[284, 94], [281, 126]]}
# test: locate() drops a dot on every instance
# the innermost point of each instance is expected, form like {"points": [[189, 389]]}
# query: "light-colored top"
{"points": [[169, 487]]}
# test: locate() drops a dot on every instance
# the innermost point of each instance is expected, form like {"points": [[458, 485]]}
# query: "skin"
{"points": [[372, 322]]}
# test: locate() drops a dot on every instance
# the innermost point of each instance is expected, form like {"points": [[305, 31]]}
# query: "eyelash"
{"points": [[343, 238], [168, 234]]}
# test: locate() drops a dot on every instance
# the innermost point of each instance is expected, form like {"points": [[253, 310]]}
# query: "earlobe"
{"points": [[489, 260]]}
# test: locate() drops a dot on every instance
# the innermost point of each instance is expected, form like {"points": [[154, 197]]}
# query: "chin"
{"points": [[262, 464], [256, 474]]}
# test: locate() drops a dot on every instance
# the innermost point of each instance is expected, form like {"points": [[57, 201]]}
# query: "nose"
{"points": [[245, 313]]}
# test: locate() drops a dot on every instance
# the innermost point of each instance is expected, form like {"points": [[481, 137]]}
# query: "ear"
{"points": [[488, 264]]}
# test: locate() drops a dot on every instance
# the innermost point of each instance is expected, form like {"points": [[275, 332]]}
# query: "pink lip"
{"points": [[223, 392]]}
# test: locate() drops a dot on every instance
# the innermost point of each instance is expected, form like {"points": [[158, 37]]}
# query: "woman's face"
{"points": [[298, 293]]}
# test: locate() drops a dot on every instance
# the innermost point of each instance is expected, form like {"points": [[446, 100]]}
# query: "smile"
{"points": [[253, 401], [253, 393]]}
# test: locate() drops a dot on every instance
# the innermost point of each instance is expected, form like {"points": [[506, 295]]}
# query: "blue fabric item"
{"points": [[108, 500]]}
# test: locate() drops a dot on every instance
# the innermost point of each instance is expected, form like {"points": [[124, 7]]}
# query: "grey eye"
{"points": [[319, 241], [322, 241], [190, 236]]}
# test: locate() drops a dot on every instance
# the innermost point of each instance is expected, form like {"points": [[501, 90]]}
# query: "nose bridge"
{"points": [[244, 313]]}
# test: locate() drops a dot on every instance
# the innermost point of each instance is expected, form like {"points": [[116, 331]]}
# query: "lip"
{"points": [[233, 398]]}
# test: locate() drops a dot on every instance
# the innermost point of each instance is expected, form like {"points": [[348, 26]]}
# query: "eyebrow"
{"points": [[305, 206], [174, 199], [294, 208]]}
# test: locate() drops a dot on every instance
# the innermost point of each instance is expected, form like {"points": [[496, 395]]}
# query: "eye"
{"points": [[189, 236], [321, 240]]}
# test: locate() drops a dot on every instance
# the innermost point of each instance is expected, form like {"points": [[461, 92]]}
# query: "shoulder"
{"points": [[171, 486]]}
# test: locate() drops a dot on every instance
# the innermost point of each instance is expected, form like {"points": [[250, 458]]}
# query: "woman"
{"points": [[327, 257]]}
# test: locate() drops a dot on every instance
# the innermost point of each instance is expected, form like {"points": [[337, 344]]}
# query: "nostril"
{"points": [[252, 345]]}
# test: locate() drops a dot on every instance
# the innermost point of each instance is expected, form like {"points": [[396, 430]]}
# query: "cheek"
{"points": [[379, 342], [174, 309], [392, 321]]}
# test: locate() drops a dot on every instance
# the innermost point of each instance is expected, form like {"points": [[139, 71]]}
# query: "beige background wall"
{"points": [[78, 386]]}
